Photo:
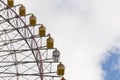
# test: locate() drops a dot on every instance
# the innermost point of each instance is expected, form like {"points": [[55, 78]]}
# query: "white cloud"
{"points": [[83, 31]]}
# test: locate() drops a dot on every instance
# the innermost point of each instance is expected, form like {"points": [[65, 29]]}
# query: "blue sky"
{"points": [[111, 66]]}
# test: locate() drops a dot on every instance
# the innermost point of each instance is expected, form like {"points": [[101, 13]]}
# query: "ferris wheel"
{"points": [[27, 51]]}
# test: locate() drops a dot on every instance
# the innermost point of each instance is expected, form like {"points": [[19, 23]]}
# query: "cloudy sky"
{"points": [[111, 65], [87, 32]]}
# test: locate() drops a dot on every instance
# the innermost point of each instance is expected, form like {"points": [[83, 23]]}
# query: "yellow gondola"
{"points": [[50, 42], [32, 20], [10, 3], [42, 31], [63, 78], [22, 10], [60, 69]]}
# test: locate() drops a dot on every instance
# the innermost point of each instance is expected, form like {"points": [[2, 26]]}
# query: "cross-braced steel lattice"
{"points": [[26, 53]]}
